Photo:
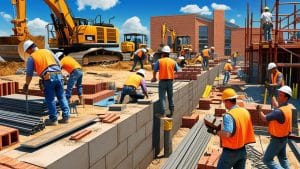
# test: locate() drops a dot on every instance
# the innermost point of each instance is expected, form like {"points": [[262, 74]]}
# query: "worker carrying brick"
{"points": [[267, 25], [47, 67], [69, 64], [236, 131], [131, 84], [280, 126], [166, 68], [227, 70], [276, 79], [206, 55], [139, 56]]}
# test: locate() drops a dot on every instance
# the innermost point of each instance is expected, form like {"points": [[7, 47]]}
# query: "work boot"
{"points": [[49, 122], [64, 120], [81, 100], [171, 114]]}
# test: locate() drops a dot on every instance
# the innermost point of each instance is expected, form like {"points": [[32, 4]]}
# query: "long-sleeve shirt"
{"points": [[266, 17]]}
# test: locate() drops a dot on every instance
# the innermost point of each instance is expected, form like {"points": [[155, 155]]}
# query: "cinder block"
{"points": [[149, 128], [99, 164], [144, 116], [144, 101], [147, 160], [116, 155], [127, 163], [136, 139], [126, 127], [142, 151], [117, 107]]}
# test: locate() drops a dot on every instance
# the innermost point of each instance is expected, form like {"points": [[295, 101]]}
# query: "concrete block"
{"points": [[149, 128], [126, 127], [141, 151], [102, 142], [127, 163], [117, 107], [136, 139], [116, 155], [99, 164], [144, 116], [147, 160], [144, 101]]}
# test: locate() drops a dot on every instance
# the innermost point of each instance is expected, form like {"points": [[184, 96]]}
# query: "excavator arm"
{"points": [[20, 27]]}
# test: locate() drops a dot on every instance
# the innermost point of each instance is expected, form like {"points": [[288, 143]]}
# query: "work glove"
{"points": [[25, 88], [211, 130], [258, 107]]}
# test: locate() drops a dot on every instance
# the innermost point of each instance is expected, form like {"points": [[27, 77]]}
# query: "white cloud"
{"points": [[232, 20], [5, 33], [238, 15], [95, 4], [220, 6], [37, 26], [133, 25], [196, 9], [6, 16]]}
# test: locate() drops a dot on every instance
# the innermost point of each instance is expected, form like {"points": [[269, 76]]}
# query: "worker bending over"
{"points": [[236, 132], [131, 84], [227, 71], [139, 56], [47, 67], [280, 126], [166, 68], [69, 64]]}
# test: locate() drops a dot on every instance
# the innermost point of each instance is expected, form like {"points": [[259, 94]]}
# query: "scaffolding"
{"points": [[284, 49]]}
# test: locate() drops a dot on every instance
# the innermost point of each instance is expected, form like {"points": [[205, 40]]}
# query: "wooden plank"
{"points": [[56, 133]]}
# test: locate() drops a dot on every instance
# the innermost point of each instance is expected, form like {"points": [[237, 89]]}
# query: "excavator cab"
{"points": [[182, 43], [133, 41]]}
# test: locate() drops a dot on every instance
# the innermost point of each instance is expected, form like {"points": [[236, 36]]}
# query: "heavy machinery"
{"points": [[83, 39], [133, 41]]}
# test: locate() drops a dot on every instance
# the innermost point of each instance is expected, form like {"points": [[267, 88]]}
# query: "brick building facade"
{"points": [[223, 35]]}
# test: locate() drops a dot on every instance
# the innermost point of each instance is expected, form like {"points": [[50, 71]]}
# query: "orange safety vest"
{"points": [[282, 130], [139, 53], [166, 68], [243, 133], [42, 58], [69, 64], [228, 67], [134, 80], [205, 52], [275, 77]]}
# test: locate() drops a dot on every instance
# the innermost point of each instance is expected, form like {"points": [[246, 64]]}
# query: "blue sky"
{"points": [[130, 15]]}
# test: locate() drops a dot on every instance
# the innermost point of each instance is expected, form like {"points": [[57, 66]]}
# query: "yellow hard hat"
{"points": [[229, 93]]}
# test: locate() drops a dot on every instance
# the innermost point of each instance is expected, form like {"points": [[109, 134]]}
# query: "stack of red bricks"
{"points": [[210, 159], [255, 115], [219, 111], [8, 87], [8, 137], [188, 73], [189, 121], [11, 163], [109, 117], [204, 103]]}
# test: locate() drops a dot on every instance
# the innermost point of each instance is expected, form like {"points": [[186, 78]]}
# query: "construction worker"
{"points": [[227, 70], [267, 25], [181, 61], [166, 68], [236, 131], [212, 52], [205, 55], [139, 56], [47, 67], [69, 64], [131, 84], [276, 78], [234, 57], [280, 125]]}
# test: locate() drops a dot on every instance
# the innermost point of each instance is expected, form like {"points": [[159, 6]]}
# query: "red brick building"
{"points": [[226, 37]]}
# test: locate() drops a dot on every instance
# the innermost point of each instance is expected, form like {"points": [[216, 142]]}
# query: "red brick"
{"points": [[202, 162], [8, 136]]}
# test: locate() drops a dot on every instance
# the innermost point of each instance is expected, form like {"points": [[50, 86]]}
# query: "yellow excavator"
{"points": [[86, 41]]}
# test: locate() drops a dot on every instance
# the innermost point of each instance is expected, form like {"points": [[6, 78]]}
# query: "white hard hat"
{"points": [[266, 8], [141, 71], [271, 66], [286, 90], [27, 44], [205, 47], [181, 57], [144, 50], [229, 60], [166, 49], [58, 54]]}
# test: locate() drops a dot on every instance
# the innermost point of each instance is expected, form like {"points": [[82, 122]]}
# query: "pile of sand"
{"points": [[10, 68]]}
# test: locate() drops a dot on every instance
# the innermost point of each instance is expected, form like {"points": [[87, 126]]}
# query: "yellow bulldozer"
{"points": [[86, 41]]}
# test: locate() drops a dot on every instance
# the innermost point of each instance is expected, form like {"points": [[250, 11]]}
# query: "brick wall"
{"points": [[219, 29]]}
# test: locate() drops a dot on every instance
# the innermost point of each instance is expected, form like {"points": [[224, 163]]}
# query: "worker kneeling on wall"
{"points": [[236, 131], [131, 84]]}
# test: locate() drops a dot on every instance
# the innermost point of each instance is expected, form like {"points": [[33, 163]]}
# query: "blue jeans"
{"points": [[132, 93], [277, 147], [226, 77], [135, 60], [55, 87], [165, 86], [205, 63], [234, 61], [267, 32], [75, 77], [233, 158]]}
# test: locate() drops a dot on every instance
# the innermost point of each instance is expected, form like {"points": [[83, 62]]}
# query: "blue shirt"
{"points": [[228, 121], [156, 66], [276, 114], [30, 67]]}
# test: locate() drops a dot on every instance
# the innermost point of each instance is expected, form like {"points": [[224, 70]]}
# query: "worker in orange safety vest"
{"points": [[139, 56], [227, 70], [276, 79]]}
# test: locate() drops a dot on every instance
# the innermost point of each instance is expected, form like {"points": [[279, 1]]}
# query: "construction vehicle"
{"points": [[87, 41], [132, 42]]}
